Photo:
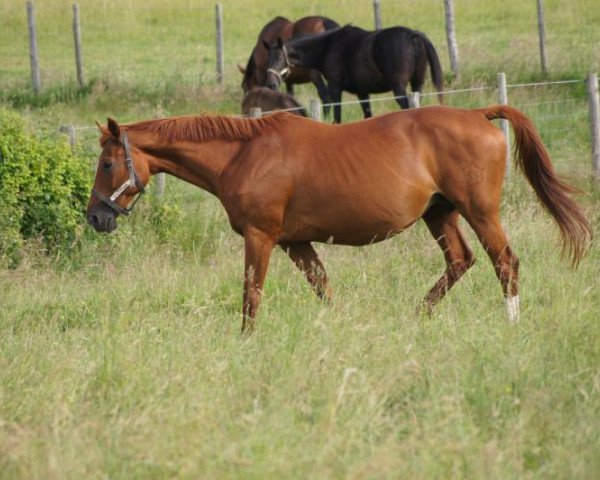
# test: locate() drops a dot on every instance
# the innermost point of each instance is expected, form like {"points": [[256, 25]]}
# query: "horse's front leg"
{"points": [[365, 104], [306, 259], [258, 248]]}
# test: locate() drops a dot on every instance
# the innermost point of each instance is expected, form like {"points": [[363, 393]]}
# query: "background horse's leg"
{"points": [[317, 79], [335, 93], [258, 248], [442, 221], [365, 104], [309, 263], [289, 88], [493, 238]]}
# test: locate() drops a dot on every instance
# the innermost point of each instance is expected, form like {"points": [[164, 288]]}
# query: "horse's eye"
{"points": [[107, 165]]}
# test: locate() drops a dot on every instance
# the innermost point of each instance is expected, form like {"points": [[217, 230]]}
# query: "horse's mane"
{"points": [[206, 127]]}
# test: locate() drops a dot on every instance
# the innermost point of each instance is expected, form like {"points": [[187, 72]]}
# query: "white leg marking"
{"points": [[512, 309]]}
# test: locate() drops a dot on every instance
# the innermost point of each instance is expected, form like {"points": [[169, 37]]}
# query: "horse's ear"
{"points": [[266, 45], [241, 69], [113, 128], [279, 42], [99, 127]]}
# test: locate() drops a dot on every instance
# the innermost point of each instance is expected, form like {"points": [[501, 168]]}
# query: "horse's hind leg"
{"points": [[401, 95], [309, 263], [494, 240], [442, 221]]}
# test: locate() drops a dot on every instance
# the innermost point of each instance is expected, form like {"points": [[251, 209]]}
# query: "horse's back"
{"points": [[313, 25], [360, 182]]}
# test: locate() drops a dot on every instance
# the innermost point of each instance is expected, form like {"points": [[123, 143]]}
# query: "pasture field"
{"points": [[121, 357]]}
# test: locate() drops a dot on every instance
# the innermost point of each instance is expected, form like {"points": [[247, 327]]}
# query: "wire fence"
{"points": [[565, 119]]}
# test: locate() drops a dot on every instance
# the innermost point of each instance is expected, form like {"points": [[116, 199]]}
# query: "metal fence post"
{"points": [[594, 111], [77, 37], [220, 62], [315, 110], [33, 50], [503, 99]]}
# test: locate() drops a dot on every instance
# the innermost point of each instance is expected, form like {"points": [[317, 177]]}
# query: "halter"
{"points": [[285, 72], [133, 180]]}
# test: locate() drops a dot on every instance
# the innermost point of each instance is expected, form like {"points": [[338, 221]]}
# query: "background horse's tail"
{"points": [[434, 64], [533, 159]]}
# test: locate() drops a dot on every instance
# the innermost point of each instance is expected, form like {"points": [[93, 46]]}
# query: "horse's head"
{"points": [[121, 175], [278, 64]]}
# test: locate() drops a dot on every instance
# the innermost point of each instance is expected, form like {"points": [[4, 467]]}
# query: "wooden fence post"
{"points": [[542, 33], [255, 112], [220, 63], [594, 110], [77, 37], [70, 131], [377, 14], [414, 99], [315, 110], [33, 50], [503, 99], [451, 37], [160, 180]]}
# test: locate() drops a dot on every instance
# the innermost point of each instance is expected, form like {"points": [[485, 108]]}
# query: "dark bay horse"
{"points": [[288, 181], [269, 100], [357, 61], [255, 73]]}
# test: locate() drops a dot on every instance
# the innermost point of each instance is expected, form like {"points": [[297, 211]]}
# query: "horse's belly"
{"points": [[344, 226]]}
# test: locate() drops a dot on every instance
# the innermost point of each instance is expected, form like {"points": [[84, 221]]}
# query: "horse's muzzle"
{"points": [[102, 218]]}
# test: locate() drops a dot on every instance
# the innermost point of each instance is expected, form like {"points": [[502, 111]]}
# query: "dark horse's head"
{"points": [[278, 64], [119, 178]]}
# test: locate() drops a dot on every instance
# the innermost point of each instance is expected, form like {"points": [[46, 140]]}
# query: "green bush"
{"points": [[43, 190]]}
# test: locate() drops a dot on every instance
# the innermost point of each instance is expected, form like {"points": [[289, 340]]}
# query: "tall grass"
{"points": [[128, 363]]}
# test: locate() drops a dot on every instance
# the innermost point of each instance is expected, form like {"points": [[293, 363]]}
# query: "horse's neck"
{"points": [[199, 163]]}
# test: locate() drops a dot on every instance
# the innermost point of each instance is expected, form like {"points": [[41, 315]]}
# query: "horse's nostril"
{"points": [[94, 221]]}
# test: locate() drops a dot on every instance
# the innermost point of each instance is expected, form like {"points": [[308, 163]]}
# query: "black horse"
{"points": [[360, 62]]}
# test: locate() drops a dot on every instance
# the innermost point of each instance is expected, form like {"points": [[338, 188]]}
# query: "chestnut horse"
{"points": [[286, 180], [255, 73]]}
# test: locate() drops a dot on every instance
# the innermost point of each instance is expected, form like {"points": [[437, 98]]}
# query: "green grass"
{"points": [[123, 359]]}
